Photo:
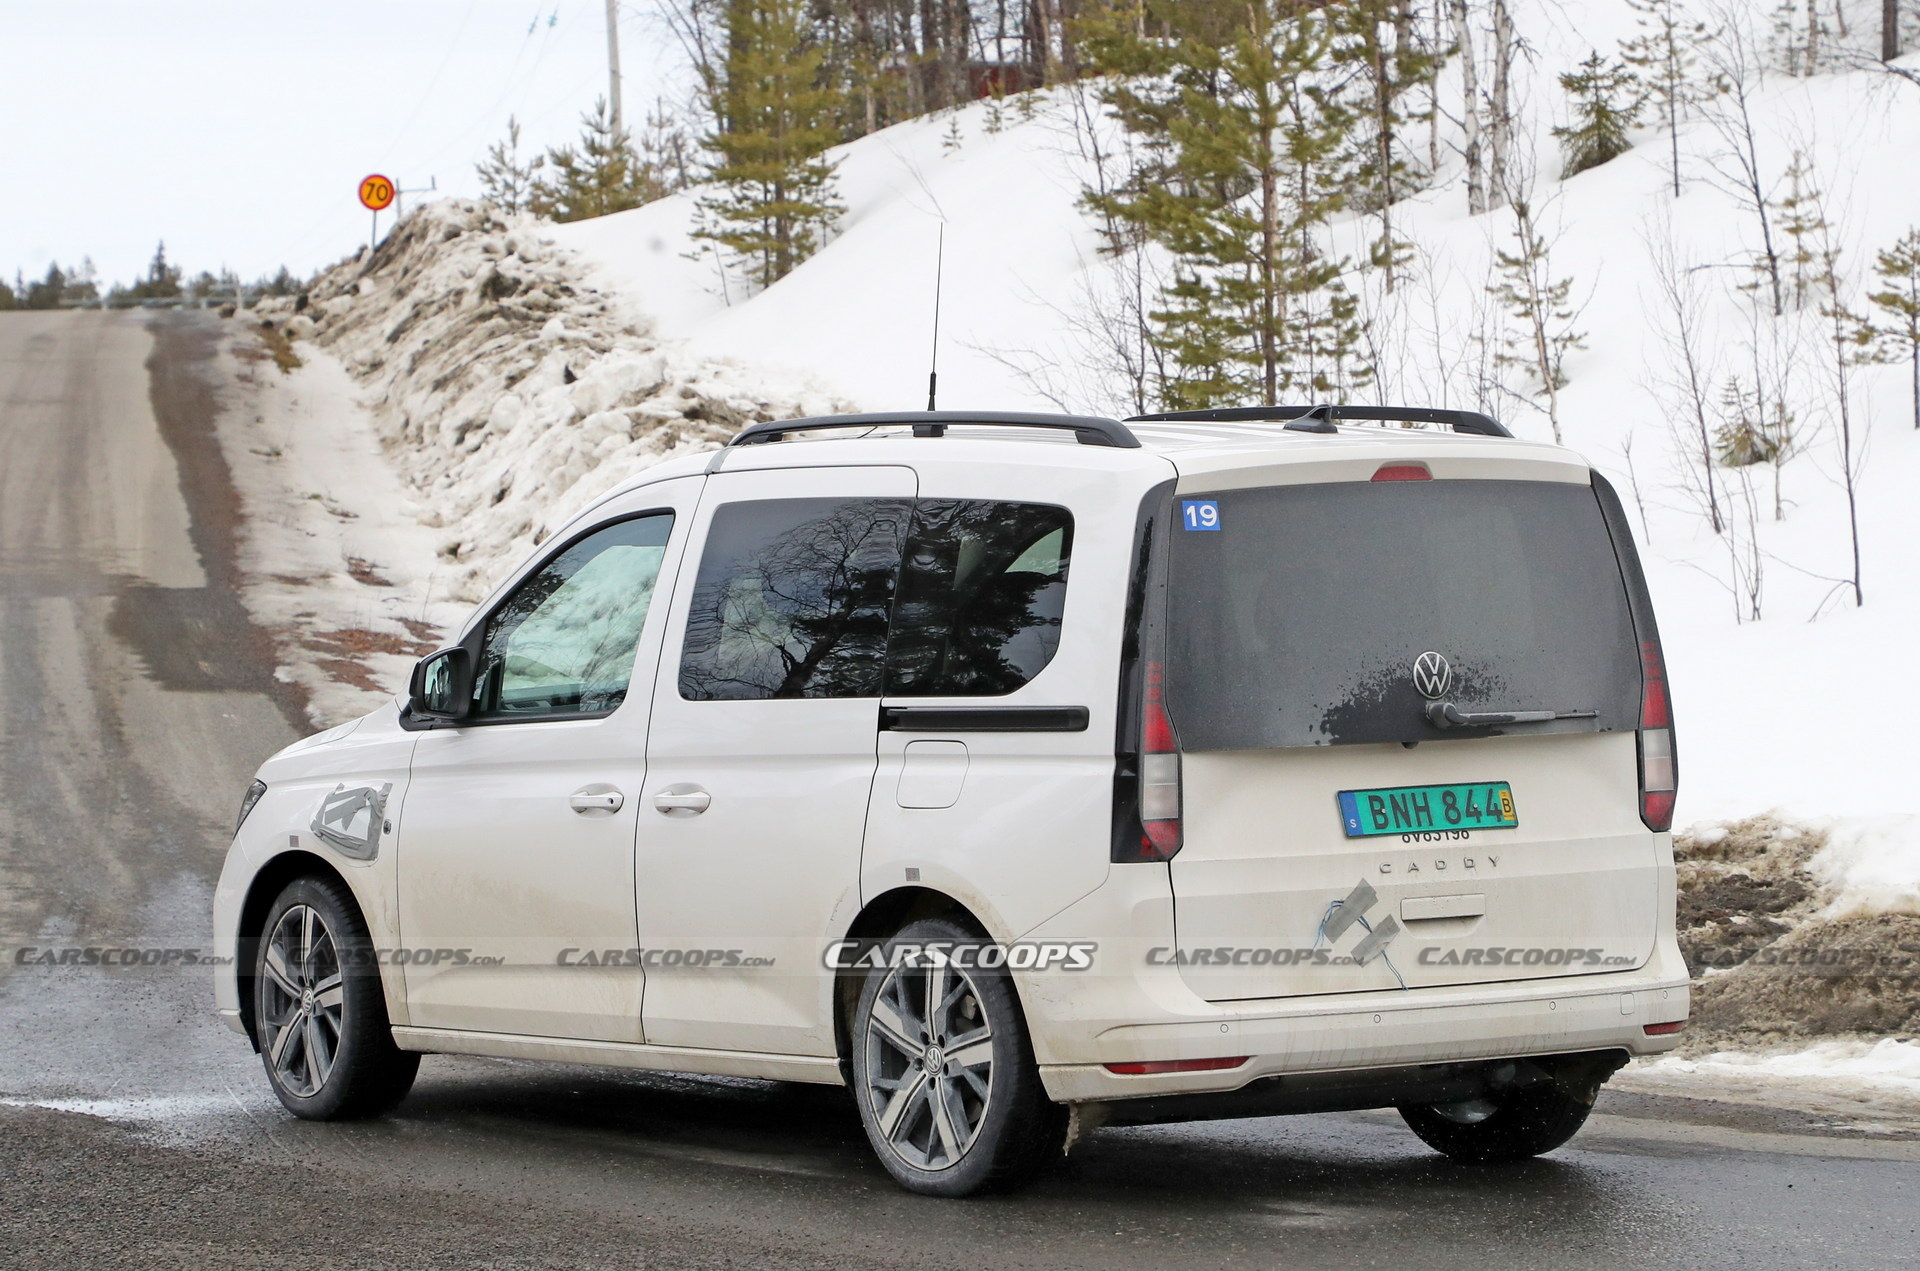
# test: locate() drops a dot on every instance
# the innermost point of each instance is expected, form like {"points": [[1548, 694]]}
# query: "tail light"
{"points": [[1146, 773], [1653, 1030], [1159, 775], [1658, 771]]}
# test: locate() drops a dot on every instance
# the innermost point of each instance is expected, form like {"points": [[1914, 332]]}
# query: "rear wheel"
{"points": [[319, 1013], [1510, 1126], [945, 1078]]}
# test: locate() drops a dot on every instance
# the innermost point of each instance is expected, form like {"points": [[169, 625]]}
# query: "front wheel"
{"points": [[319, 1013], [1506, 1127], [944, 1074]]}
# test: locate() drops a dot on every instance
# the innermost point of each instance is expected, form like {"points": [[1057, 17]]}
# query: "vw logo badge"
{"points": [[1432, 675]]}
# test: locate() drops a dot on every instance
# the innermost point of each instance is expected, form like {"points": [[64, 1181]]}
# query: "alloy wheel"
{"points": [[302, 999], [928, 1064]]}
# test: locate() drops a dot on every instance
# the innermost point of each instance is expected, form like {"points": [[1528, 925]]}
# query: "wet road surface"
{"points": [[135, 700]]}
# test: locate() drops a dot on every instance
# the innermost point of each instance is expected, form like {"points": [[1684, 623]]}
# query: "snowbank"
{"points": [[507, 391], [1872, 866], [1889, 1066]]}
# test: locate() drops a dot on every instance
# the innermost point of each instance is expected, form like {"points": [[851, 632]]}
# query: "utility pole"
{"points": [[613, 60], [1889, 30]]}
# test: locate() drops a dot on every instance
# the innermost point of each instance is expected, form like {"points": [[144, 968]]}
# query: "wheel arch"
{"points": [[267, 884], [882, 916]]}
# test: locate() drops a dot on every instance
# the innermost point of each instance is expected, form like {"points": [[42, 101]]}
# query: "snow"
{"points": [[334, 540], [1889, 1067], [1872, 865]]}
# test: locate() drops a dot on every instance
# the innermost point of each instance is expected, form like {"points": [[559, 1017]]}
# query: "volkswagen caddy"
{"points": [[1021, 774]]}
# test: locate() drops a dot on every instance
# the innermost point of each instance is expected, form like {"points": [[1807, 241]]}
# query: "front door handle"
{"points": [[682, 800], [596, 800]]}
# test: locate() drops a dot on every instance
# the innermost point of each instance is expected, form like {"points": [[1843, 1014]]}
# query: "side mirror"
{"points": [[442, 685]]}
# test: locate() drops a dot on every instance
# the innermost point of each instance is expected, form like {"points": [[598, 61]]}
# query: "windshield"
{"points": [[1295, 613]]}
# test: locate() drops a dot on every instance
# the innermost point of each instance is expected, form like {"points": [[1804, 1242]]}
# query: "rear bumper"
{"points": [[1346, 1033]]}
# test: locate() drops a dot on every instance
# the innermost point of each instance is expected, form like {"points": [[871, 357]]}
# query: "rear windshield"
{"points": [[1295, 613]]}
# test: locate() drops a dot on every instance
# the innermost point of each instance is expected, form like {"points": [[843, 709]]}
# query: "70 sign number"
{"points": [[376, 193]]}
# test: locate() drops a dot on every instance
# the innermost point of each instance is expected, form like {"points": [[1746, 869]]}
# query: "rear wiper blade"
{"points": [[1447, 715]]}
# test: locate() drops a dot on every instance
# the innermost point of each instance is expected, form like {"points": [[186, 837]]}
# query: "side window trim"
{"points": [[474, 641]]}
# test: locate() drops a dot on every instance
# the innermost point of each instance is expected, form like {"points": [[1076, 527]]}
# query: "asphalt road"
{"points": [[135, 1131]]}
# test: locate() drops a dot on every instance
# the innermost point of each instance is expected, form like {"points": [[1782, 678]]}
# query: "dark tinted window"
{"points": [[792, 599], [981, 595], [1297, 622], [564, 642]]}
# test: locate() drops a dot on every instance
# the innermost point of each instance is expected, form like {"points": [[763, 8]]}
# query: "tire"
{"points": [[978, 1121], [319, 1013], [1505, 1127]]}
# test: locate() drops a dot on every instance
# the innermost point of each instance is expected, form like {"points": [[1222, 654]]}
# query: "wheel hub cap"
{"points": [[933, 1059]]}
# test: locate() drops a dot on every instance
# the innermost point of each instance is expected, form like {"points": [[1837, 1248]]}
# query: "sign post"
{"points": [[377, 193]]}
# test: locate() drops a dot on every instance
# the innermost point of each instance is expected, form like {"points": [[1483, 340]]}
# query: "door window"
{"points": [[981, 595], [564, 642], [792, 599]]}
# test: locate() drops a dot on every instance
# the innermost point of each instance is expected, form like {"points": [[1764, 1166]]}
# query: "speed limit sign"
{"points": [[376, 192]]}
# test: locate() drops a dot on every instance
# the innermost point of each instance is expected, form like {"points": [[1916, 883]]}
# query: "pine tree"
{"points": [[1245, 146], [163, 279], [506, 180], [1604, 106], [1665, 57], [599, 178], [776, 198], [1747, 435], [1899, 299], [1528, 290], [46, 293], [1800, 218]]}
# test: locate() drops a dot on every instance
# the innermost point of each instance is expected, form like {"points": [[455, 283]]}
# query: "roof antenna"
{"points": [[933, 362]]}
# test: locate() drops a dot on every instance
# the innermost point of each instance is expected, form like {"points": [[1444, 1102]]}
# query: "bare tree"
{"points": [[1470, 115], [1500, 115], [1848, 339], [1542, 304], [1690, 372], [1737, 168]]}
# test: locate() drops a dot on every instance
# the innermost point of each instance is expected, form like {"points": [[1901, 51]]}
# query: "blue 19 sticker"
{"points": [[1200, 514]]}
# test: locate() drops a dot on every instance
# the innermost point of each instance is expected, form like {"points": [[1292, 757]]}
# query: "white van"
{"points": [[1023, 773]]}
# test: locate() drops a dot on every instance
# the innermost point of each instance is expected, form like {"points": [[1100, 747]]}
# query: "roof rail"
{"points": [[1089, 430], [1321, 418]]}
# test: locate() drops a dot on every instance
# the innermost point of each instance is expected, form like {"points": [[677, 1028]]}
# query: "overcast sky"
{"points": [[239, 130]]}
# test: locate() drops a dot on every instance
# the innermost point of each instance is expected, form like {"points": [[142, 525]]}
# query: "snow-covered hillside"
{"points": [[1799, 710]]}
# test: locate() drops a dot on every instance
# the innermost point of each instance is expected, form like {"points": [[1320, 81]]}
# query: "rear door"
{"points": [[996, 752], [1314, 772], [761, 753]]}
